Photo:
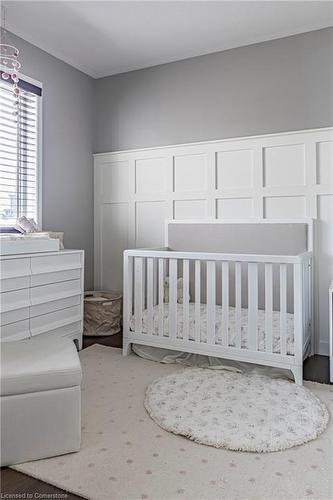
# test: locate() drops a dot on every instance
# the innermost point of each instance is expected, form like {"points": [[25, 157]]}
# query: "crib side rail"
{"points": [[166, 253], [146, 303]]}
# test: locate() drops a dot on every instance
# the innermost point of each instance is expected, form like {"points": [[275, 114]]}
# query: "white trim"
{"points": [[28, 79], [40, 164], [323, 348], [215, 141], [215, 256]]}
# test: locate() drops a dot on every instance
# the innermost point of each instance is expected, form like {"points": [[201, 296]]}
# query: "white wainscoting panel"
{"points": [[234, 169], [284, 207], [234, 208], [324, 266], [113, 240], [190, 209], [150, 217], [284, 165], [277, 176], [190, 173], [325, 163], [151, 175], [115, 180]]}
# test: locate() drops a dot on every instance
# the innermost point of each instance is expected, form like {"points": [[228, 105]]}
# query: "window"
{"points": [[19, 152]]}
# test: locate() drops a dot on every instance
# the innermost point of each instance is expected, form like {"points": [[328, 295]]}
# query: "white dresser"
{"points": [[42, 294]]}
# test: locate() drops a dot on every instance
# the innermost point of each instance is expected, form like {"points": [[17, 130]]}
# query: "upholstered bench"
{"points": [[40, 399]]}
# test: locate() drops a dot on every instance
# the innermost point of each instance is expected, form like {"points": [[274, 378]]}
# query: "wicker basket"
{"points": [[102, 313]]}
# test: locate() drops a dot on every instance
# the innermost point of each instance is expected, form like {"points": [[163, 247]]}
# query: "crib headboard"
{"points": [[269, 237], [261, 237]]}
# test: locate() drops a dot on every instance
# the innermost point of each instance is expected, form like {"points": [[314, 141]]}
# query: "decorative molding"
{"points": [[275, 176]]}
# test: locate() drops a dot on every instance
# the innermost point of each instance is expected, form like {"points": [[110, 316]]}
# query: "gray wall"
{"points": [[67, 148], [281, 85], [275, 86]]}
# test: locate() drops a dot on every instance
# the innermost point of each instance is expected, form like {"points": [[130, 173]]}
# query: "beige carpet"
{"points": [[125, 455]]}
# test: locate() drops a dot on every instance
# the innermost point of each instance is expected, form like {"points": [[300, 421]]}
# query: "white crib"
{"points": [[245, 307]]}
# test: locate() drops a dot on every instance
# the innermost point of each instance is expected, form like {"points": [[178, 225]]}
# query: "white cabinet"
{"points": [[42, 294]]}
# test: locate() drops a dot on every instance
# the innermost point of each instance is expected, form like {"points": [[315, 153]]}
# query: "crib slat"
{"points": [[298, 313], [283, 308], [225, 303], [306, 295], [238, 303], [211, 302], [310, 306], [269, 307], [144, 269], [138, 289], [252, 305], [172, 298], [186, 299], [155, 279], [150, 294], [128, 291], [197, 300], [160, 296], [130, 286]]}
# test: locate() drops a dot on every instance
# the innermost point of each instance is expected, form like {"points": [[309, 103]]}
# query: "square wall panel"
{"points": [[234, 208], [284, 207], [190, 209], [284, 165], [150, 223], [151, 175], [234, 169], [324, 263], [114, 240], [190, 173], [325, 163], [116, 180]]}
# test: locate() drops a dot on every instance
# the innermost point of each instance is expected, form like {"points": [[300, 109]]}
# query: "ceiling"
{"points": [[110, 37]]}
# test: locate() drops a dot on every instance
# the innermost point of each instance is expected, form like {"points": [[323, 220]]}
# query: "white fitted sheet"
{"points": [[218, 326]]}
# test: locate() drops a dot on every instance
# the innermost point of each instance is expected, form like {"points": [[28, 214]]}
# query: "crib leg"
{"points": [[126, 347], [298, 374]]}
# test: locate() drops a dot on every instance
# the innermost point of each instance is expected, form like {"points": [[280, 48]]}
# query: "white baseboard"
{"points": [[323, 348]]}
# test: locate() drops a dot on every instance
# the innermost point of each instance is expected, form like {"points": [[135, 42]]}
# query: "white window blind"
{"points": [[19, 153]]}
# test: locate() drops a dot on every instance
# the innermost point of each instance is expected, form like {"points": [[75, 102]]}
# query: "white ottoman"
{"points": [[40, 399]]}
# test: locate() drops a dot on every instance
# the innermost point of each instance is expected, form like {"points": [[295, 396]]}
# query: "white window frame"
{"points": [[39, 177]]}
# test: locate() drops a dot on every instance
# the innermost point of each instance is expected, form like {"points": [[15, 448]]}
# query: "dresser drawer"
{"points": [[55, 305], [12, 268], [52, 263], [14, 316], [56, 277], [15, 331], [67, 330], [17, 299], [47, 293], [9, 284], [54, 320]]}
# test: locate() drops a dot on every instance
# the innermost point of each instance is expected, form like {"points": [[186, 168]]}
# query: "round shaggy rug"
{"points": [[234, 410]]}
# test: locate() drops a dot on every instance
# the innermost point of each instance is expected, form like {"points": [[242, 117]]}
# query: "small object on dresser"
{"points": [[25, 225], [102, 313], [57, 235]]}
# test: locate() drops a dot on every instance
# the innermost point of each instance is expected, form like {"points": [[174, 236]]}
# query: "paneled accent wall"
{"points": [[279, 176]]}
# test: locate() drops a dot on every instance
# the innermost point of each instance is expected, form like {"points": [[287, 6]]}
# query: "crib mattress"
{"points": [[218, 326]]}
